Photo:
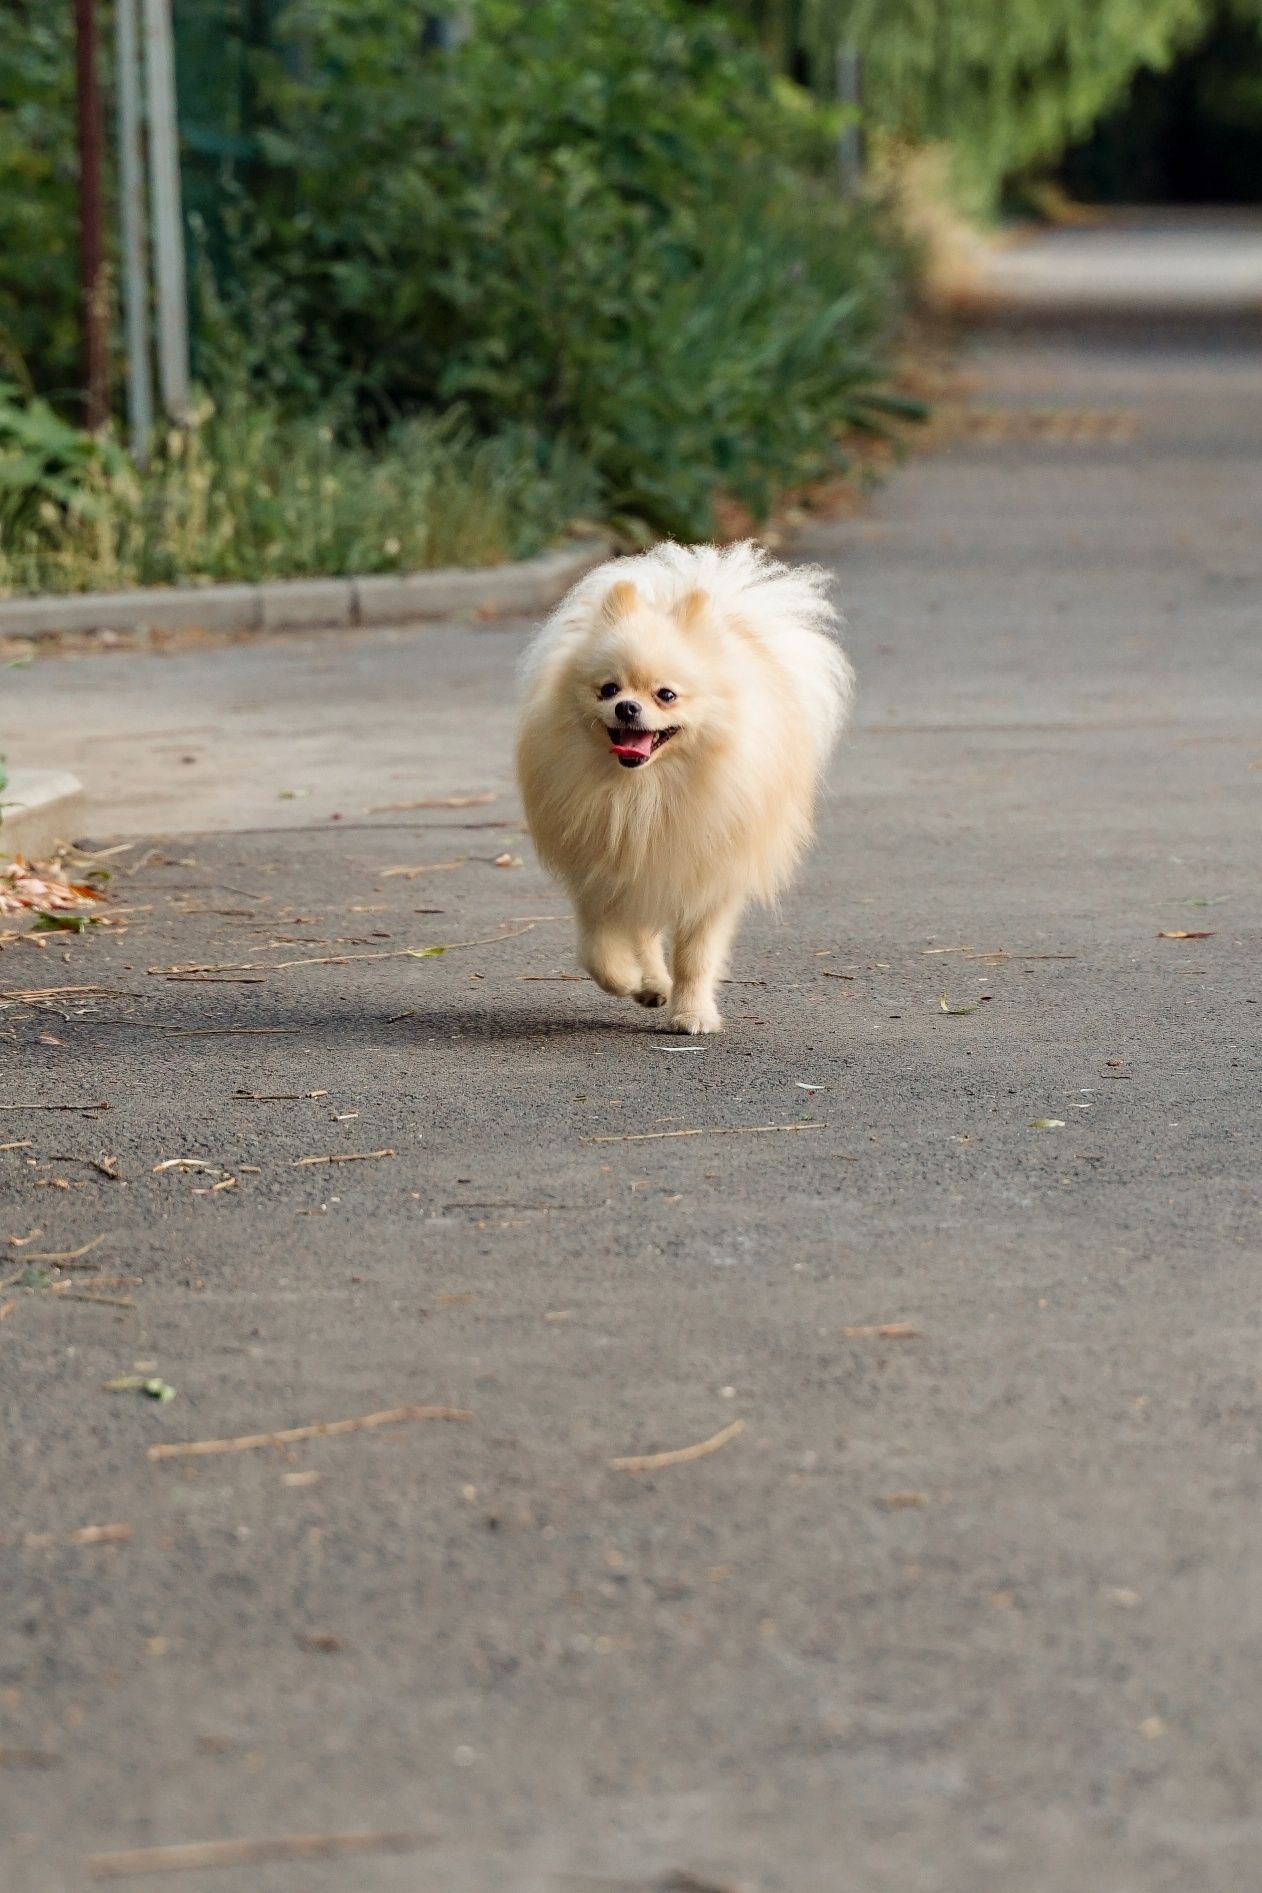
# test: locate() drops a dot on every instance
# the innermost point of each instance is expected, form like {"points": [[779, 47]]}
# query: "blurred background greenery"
{"points": [[460, 280]]}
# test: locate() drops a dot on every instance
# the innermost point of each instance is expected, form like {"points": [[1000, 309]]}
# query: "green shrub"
{"points": [[39, 232], [50, 472], [610, 225]]}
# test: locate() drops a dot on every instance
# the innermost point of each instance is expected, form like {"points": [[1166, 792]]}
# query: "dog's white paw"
{"points": [[694, 1020]]}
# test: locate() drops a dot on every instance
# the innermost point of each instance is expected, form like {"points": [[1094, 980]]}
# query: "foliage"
{"points": [[1007, 83], [609, 238], [38, 207], [609, 225], [247, 493], [48, 469]]}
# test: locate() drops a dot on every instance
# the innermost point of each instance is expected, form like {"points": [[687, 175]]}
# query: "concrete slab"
{"points": [[38, 809]]}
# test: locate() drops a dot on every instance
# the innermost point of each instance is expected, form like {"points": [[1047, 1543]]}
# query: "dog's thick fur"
{"points": [[668, 815]]}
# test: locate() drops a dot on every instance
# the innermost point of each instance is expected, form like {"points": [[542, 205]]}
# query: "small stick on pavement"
{"points": [[436, 801], [218, 1031], [323, 1429], [54, 1107], [194, 1855], [21, 1143], [67, 1255], [345, 1156], [884, 1331], [702, 1130], [652, 1462], [407, 953], [426, 867]]}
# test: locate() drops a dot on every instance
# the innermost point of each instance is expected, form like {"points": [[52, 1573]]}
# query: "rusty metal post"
{"points": [[94, 288]]}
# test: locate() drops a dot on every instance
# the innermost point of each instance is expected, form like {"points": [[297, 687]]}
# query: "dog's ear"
{"points": [[622, 600], [691, 609]]}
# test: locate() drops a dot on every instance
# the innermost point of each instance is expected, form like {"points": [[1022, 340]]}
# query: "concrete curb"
{"points": [[526, 587], [39, 808]]}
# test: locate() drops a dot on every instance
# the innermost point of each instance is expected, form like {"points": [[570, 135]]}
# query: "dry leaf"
{"points": [[1185, 933]]}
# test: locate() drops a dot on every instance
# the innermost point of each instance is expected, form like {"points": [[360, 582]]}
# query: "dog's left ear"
{"points": [[691, 609]]}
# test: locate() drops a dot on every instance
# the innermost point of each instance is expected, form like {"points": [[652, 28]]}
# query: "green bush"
{"points": [[609, 225], [39, 232], [50, 472]]}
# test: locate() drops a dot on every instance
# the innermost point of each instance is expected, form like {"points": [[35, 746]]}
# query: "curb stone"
{"points": [[524, 586], [39, 808]]}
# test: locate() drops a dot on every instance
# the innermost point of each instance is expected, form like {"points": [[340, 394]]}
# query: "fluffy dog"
{"points": [[679, 708]]}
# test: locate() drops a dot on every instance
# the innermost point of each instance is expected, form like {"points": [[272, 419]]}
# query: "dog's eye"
{"points": [[664, 696], [606, 691]]}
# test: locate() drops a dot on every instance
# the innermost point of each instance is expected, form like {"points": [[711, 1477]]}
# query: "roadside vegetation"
{"points": [[456, 291]]}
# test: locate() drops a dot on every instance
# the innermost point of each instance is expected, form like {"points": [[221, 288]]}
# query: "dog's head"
{"points": [[646, 678]]}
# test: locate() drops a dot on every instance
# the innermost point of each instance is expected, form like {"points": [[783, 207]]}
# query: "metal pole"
{"points": [[168, 226], [131, 172], [93, 284], [850, 141]]}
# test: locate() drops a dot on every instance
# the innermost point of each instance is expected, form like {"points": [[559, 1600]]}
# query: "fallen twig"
{"points": [[104, 1164], [55, 992], [407, 953], [323, 1429], [884, 1331], [345, 1156], [218, 1031], [277, 1097], [21, 1143], [652, 1462], [435, 801], [702, 1130], [426, 867], [54, 1107], [193, 1855], [101, 1301], [67, 1255]]}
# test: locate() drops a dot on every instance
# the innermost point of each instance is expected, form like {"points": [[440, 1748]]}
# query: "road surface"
{"points": [[973, 1610]]}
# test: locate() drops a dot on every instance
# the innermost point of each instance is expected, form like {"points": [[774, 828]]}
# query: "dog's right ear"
{"points": [[621, 601]]}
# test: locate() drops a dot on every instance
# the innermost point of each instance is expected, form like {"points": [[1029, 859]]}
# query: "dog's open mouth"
{"points": [[633, 747]]}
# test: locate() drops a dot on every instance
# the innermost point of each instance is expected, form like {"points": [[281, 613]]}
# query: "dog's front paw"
{"points": [[652, 996], [693, 1020]]}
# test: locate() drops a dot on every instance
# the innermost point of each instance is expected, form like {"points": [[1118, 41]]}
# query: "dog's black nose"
{"points": [[627, 712]]}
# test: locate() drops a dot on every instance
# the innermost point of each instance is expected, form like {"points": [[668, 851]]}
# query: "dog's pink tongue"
{"points": [[632, 742]]}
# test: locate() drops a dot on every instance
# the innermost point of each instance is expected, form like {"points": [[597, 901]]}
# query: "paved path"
{"points": [[1146, 262], [973, 1612]]}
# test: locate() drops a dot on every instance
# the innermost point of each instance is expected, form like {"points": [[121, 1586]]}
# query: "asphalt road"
{"points": [[972, 1611]]}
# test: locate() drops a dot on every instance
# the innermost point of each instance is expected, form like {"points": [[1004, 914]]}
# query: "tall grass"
{"points": [[246, 493]]}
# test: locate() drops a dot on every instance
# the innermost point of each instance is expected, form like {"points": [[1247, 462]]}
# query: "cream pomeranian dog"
{"points": [[679, 708]]}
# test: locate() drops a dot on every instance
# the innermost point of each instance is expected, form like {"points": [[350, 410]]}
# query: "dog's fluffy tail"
{"points": [[786, 607]]}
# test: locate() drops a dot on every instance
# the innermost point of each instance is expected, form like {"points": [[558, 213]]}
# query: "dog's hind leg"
{"points": [[700, 958]]}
